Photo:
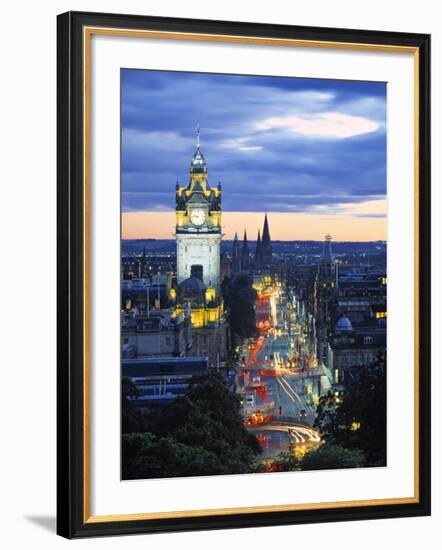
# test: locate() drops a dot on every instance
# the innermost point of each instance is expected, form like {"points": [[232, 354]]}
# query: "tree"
{"points": [[146, 456], [240, 298], [204, 426], [132, 418], [359, 420], [327, 457]]}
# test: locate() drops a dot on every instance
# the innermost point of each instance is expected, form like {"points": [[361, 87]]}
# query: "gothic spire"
{"points": [[266, 244], [245, 253], [236, 255], [265, 231]]}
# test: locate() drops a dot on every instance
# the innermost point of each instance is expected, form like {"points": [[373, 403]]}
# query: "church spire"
{"points": [[245, 253], [265, 231], [266, 244], [236, 256]]}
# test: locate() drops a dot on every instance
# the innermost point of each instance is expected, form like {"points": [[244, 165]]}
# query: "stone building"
{"points": [[355, 346]]}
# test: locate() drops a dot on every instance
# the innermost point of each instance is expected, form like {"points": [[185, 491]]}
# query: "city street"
{"points": [[277, 385]]}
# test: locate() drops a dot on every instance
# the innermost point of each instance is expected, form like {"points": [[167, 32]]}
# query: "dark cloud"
{"points": [[272, 168]]}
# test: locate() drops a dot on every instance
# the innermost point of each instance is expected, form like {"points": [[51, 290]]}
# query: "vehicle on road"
{"points": [[261, 415], [250, 399]]}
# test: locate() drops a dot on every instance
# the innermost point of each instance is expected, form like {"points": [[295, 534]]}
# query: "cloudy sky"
{"points": [[313, 150]]}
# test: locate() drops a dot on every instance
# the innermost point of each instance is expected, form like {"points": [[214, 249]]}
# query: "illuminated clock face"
{"points": [[198, 216]]}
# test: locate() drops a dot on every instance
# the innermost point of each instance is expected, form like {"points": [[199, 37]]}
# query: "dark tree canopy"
{"points": [[359, 421], [327, 457], [199, 434], [146, 456], [240, 298]]}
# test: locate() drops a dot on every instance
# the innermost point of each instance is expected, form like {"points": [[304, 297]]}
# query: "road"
{"points": [[284, 386], [277, 436], [266, 361]]}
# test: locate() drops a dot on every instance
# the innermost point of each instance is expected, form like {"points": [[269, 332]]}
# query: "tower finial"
{"points": [[198, 136]]}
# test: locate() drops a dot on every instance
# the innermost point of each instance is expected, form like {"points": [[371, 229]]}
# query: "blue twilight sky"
{"points": [[276, 144]]}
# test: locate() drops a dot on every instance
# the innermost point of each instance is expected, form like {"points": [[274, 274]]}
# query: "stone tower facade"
{"points": [[198, 226]]}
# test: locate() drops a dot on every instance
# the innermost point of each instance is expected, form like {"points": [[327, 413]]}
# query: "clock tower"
{"points": [[198, 227]]}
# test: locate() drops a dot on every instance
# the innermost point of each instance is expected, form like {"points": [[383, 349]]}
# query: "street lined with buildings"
{"points": [[270, 376]]}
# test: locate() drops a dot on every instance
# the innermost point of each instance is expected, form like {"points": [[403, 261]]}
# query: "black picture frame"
{"points": [[71, 497]]}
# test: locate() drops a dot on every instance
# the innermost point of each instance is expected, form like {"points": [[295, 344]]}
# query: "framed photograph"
{"points": [[243, 249]]}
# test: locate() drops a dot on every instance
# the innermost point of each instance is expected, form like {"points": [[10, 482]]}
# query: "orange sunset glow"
{"points": [[360, 222]]}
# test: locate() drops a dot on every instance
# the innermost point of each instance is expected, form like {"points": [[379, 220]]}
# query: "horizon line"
{"points": [[172, 239]]}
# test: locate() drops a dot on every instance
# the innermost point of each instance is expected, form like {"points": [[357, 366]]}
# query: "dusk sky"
{"points": [[313, 150]]}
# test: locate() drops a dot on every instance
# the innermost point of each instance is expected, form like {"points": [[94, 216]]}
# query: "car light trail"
{"points": [[285, 390], [290, 389], [301, 434]]}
